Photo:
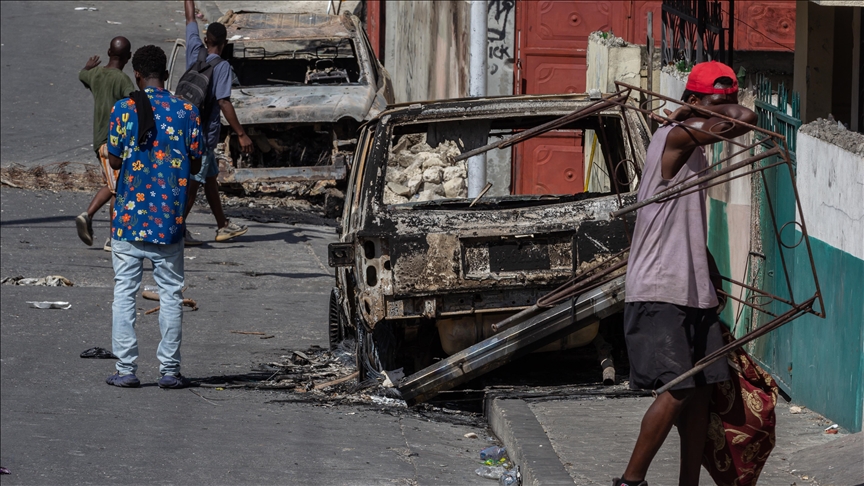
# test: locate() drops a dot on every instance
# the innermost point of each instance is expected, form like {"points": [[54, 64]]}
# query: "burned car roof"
{"points": [[260, 25]]}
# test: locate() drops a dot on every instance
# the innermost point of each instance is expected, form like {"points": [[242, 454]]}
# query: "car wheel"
{"points": [[336, 319], [375, 350]]}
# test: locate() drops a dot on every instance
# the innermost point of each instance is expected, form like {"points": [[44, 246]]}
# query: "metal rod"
{"points": [[703, 363], [541, 129], [711, 113], [684, 186]]}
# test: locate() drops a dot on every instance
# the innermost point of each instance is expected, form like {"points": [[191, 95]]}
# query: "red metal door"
{"points": [[552, 44]]}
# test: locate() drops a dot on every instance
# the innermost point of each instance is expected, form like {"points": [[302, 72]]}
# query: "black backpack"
{"points": [[194, 85]]}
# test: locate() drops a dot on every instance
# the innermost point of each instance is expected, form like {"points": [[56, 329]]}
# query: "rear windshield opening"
{"points": [[569, 163], [295, 63]]}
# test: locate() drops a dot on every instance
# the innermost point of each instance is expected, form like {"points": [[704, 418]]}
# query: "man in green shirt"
{"points": [[108, 84]]}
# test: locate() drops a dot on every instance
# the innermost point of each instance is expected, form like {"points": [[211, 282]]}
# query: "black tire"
{"points": [[336, 319]]}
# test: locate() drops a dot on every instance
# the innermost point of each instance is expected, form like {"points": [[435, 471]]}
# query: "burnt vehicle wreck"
{"points": [[423, 272], [302, 85]]}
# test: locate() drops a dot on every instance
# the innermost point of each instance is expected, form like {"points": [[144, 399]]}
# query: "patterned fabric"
{"points": [[741, 430], [151, 188]]}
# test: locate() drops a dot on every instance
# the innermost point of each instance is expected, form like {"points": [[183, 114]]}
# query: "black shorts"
{"points": [[665, 340]]}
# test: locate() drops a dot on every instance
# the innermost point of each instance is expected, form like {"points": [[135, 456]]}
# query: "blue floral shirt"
{"points": [[151, 184]]}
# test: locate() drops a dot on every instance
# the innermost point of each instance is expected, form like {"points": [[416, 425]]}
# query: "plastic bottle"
{"points": [[494, 452], [490, 472], [508, 479]]}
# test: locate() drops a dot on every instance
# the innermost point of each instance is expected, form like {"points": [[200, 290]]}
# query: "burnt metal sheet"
{"points": [[284, 174], [514, 342], [258, 25], [302, 104]]}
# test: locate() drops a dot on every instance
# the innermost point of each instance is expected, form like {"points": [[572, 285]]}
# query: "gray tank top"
{"points": [[668, 256]]}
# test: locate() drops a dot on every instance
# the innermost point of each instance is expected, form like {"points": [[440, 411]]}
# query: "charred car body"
{"points": [[303, 84], [424, 271]]}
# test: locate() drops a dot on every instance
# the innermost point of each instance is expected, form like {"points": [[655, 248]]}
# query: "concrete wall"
{"points": [[426, 49], [829, 354], [609, 59], [499, 81]]}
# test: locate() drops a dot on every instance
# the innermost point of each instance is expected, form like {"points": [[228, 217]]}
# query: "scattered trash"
{"points": [[390, 402], [190, 257], [112, 22], [234, 38], [490, 472], [3, 470], [470, 435], [496, 462], [92, 9], [98, 353], [49, 305], [509, 478], [337, 381], [832, 429], [254, 333], [299, 358], [493, 452], [267, 337], [795, 409], [391, 378], [49, 281]]}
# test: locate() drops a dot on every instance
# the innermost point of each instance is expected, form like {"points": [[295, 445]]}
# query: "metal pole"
{"points": [[477, 87]]}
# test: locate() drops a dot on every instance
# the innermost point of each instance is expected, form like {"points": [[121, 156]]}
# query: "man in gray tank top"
{"points": [[670, 316]]}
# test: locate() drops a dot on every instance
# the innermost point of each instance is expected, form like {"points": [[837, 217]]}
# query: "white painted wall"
{"points": [[831, 187]]}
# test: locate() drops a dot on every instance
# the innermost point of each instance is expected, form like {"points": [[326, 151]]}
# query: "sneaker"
{"points": [[85, 228], [173, 381], [190, 241], [123, 381], [107, 245], [230, 230]]}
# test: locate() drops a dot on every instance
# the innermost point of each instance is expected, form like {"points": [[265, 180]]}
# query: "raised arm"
{"points": [[189, 8], [92, 63], [681, 141]]}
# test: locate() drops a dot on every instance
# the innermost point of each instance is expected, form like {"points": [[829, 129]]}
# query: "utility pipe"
{"points": [[477, 87]]}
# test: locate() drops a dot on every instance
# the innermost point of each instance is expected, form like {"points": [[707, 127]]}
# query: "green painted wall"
{"points": [[828, 354], [818, 362]]}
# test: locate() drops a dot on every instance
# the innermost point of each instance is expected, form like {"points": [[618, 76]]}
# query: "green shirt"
{"points": [[108, 86]]}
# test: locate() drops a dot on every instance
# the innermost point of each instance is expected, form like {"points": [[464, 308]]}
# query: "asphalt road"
{"points": [[47, 113], [61, 424]]}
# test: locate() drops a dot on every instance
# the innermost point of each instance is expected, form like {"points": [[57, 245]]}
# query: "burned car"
{"points": [[422, 270], [302, 85]]}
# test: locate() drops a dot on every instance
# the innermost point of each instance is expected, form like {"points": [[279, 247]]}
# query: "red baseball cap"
{"points": [[705, 74]]}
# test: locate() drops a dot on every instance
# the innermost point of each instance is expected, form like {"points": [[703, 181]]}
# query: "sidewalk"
{"points": [[587, 441]]}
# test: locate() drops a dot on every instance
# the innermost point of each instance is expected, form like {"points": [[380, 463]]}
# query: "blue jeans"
{"points": [[128, 259], [209, 167]]}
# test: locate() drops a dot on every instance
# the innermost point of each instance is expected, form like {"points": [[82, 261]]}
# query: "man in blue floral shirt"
{"points": [[154, 141]]}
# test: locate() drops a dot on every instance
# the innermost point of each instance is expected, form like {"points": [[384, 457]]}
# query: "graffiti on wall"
{"points": [[500, 37]]}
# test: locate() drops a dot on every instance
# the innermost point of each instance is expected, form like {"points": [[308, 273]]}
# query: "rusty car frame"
{"points": [[302, 85], [423, 272]]}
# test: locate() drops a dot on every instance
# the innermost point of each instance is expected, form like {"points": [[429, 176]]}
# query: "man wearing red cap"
{"points": [[670, 316]]}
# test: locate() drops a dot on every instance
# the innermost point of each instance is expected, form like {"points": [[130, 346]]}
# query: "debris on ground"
{"points": [[417, 172], [61, 176], [98, 353], [795, 409], [470, 435], [49, 281], [49, 305], [392, 378], [3, 470], [832, 429]]}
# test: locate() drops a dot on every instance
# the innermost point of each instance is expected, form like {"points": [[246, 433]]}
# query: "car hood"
{"points": [[303, 104]]}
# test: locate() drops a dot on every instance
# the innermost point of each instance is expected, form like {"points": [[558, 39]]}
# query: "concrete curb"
{"points": [[527, 444]]}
